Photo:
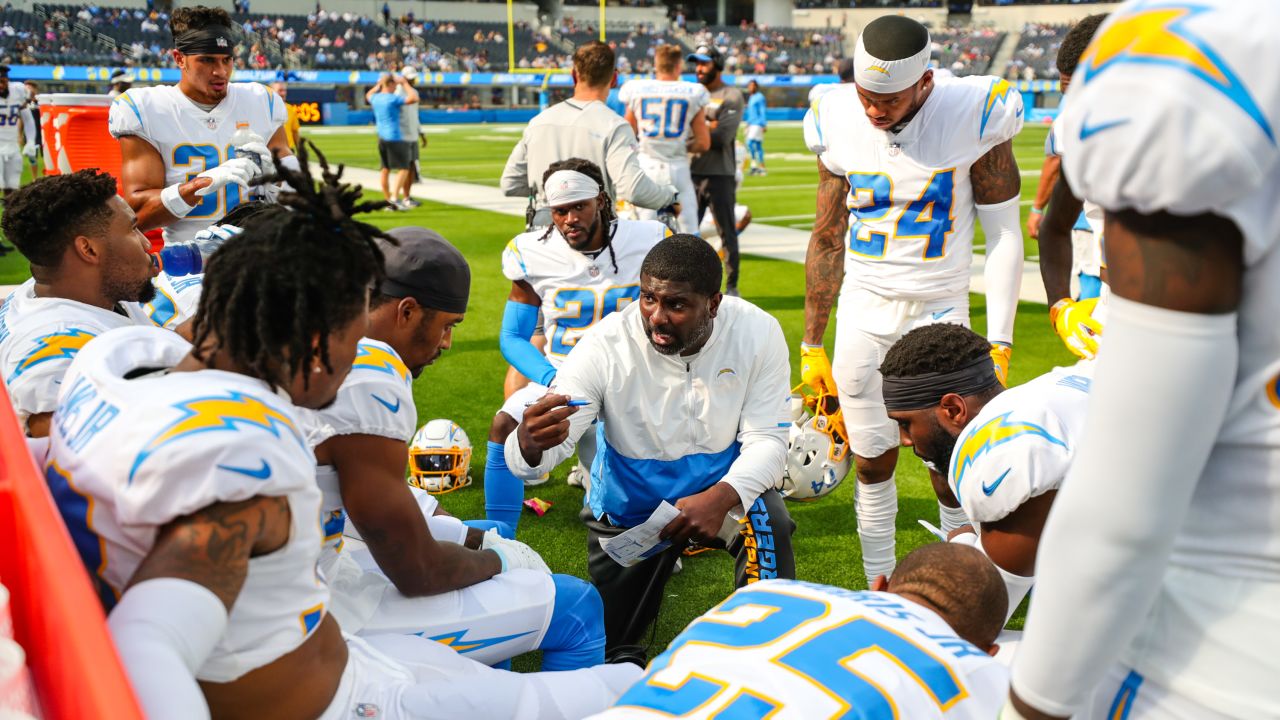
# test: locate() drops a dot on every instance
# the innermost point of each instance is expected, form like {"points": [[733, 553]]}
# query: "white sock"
{"points": [[877, 510], [951, 518]]}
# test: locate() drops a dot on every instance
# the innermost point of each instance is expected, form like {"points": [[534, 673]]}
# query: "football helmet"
{"points": [[440, 457], [818, 453]]}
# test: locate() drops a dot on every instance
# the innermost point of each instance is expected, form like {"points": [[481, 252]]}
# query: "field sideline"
{"points": [[465, 385]]}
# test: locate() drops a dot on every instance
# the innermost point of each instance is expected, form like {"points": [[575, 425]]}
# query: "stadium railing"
{"points": [[56, 615]]}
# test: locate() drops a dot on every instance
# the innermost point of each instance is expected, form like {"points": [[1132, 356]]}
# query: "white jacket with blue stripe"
{"points": [[673, 426]]}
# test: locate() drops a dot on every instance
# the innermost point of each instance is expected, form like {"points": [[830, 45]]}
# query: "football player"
{"points": [[15, 109], [669, 116], [1006, 452], [1077, 322], [88, 259], [692, 392], [183, 472], [1166, 529], [917, 646], [180, 168], [905, 163], [582, 268], [489, 607]]}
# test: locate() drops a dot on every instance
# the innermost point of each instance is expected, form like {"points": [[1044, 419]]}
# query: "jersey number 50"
{"points": [[209, 157], [927, 217], [666, 121]]}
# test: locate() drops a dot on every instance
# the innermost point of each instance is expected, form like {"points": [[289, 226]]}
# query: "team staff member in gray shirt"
{"points": [[713, 170], [583, 126]]}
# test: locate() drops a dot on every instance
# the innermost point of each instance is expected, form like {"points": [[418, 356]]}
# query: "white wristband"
{"points": [[173, 202]]}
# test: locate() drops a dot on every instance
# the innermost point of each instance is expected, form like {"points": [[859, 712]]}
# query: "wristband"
{"points": [[1037, 210], [173, 202]]}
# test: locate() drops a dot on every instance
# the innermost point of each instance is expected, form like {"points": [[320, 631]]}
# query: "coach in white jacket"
{"points": [[691, 389]]}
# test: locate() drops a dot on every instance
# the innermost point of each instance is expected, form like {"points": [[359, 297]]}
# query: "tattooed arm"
{"points": [[995, 176], [824, 261], [1171, 328]]}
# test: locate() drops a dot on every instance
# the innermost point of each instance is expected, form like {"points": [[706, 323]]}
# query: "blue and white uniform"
{"points": [[664, 111], [191, 140], [491, 621], [1168, 111], [176, 301], [791, 650], [674, 426], [39, 337]]}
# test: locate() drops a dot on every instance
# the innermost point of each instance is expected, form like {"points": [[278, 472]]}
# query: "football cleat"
{"points": [[440, 458], [818, 456]]}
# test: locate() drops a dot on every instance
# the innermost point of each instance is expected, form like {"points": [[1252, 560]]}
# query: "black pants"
{"points": [[633, 595], [721, 193]]}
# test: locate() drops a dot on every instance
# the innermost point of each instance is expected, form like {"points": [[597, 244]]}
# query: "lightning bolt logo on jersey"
{"points": [[130, 453], [576, 290], [790, 650], [910, 200]]}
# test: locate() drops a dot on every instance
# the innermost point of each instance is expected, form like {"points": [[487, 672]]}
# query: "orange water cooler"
{"points": [[74, 128]]}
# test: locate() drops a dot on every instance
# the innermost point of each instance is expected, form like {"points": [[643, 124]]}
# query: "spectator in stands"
{"points": [[394, 150], [583, 126], [714, 170], [754, 117]]}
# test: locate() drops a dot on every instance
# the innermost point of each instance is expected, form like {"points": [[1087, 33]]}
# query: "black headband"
{"points": [[918, 392], [211, 40]]}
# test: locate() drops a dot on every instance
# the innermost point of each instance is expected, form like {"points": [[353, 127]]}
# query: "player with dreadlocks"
{"points": [[561, 271], [190, 463]]}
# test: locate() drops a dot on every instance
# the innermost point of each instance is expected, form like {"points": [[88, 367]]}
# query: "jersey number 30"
{"points": [[205, 157], [927, 217]]}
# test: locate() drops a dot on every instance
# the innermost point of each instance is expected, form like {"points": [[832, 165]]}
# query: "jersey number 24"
{"points": [[927, 217]]}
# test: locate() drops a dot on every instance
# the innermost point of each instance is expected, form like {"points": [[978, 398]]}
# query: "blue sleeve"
{"points": [[518, 323]]}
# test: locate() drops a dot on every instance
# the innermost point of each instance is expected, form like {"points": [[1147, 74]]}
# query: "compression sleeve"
{"points": [[518, 323], [1003, 273], [1096, 552], [164, 630]]}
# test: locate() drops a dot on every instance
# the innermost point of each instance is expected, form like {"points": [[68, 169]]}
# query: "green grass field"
{"points": [[465, 385]]}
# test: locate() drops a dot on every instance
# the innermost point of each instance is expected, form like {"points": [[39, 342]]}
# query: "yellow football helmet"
{"points": [[440, 458], [818, 456]]}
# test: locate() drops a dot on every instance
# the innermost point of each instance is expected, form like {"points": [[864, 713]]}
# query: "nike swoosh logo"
{"points": [[988, 489], [941, 313], [261, 473], [393, 408], [1087, 131]]}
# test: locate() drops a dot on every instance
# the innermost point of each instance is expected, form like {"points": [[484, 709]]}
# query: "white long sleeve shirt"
{"points": [[673, 426]]}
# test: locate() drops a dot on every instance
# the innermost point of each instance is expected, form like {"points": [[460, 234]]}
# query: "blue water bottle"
{"points": [[188, 258]]}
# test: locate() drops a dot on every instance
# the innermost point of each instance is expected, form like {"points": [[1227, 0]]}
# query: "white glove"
{"points": [[220, 233], [30, 150], [261, 150], [236, 170], [513, 553]]}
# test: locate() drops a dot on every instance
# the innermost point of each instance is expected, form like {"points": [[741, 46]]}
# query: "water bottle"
{"points": [[188, 258], [242, 137]]}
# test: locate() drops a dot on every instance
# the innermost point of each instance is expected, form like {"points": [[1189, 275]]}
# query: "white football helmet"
{"points": [[440, 457], [818, 453]]}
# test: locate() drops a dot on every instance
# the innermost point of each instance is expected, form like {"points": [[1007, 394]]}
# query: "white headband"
{"points": [[569, 186], [888, 76]]}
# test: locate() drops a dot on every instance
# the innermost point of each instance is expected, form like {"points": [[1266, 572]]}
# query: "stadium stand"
{"points": [[965, 51], [1033, 58], [53, 37], [752, 48]]}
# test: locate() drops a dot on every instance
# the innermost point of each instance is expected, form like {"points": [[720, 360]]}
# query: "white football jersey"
{"points": [[1189, 125], [790, 650], [10, 115], [176, 301], [191, 140], [131, 450], [911, 205], [577, 290], [375, 399], [664, 110], [1020, 445], [38, 339]]}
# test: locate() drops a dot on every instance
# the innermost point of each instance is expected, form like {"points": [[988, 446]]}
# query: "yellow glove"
{"points": [[1002, 355], [1074, 323], [815, 368]]}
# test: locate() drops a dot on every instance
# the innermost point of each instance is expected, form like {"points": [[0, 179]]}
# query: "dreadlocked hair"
{"points": [[300, 271], [608, 216]]}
